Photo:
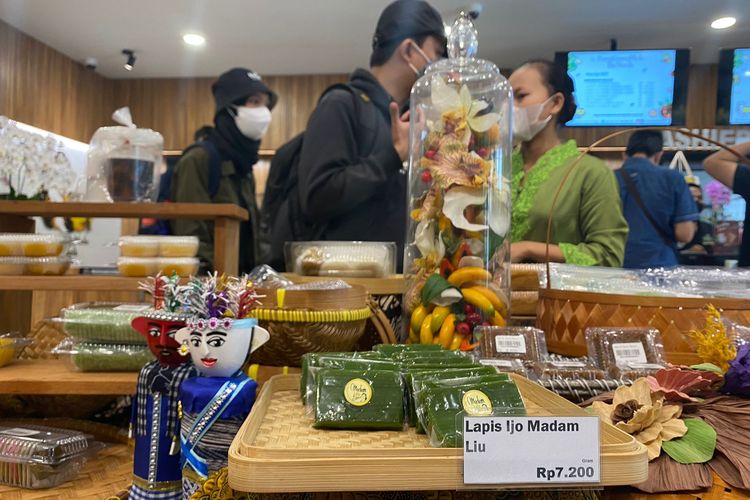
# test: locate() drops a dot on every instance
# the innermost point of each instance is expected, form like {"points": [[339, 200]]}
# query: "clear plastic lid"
{"points": [[38, 266], [178, 246], [138, 266], [32, 245], [39, 444], [364, 259]]}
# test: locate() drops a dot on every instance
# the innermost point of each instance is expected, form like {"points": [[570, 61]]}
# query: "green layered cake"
{"points": [[411, 375], [392, 349], [444, 404], [311, 360], [359, 399], [88, 357]]}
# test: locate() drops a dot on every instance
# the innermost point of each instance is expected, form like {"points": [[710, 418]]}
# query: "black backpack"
{"points": [[161, 226], [282, 219]]}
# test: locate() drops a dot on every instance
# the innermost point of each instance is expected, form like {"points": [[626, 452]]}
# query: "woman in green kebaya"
{"points": [[588, 227]]}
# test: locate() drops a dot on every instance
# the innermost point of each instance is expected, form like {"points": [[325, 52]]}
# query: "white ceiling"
{"points": [[333, 36]]}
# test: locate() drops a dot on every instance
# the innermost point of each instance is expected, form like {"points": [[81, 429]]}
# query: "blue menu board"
{"points": [[623, 88]]}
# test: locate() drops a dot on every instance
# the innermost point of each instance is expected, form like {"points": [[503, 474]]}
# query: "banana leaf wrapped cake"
{"points": [[359, 399]]}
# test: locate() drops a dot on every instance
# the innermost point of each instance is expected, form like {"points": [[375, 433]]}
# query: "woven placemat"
{"points": [[286, 425]]}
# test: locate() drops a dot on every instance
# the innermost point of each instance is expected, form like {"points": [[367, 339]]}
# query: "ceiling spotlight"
{"points": [[194, 39], [131, 59], [723, 23]]}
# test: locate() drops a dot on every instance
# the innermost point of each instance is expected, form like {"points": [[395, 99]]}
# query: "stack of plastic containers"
{"points": [[148, 255], [33, 254]]}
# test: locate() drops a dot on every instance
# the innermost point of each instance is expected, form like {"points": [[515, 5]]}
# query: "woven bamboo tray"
{"points": [[277, 450], [564, 315]]}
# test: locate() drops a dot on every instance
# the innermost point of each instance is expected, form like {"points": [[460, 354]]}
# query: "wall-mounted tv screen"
{"points": [[628, 88], [733, 103]]}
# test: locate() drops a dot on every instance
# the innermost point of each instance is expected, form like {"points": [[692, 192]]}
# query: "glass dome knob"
{"points": [[462, 41]]}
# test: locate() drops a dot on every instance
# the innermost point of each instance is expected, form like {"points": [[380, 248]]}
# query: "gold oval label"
{"points": [[358, 392], [477, 404]]}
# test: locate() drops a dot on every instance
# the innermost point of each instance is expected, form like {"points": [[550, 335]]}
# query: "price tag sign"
{"points": [[545, 450]]}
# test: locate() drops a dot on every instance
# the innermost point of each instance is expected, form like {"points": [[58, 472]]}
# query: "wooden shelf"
{"points": [[50, 376], [124, 210], [69, 282], [393, 285]]}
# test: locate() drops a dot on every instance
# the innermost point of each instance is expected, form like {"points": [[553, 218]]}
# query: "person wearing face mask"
{"points": [[588, 227], [352, 185], [242, 117]]}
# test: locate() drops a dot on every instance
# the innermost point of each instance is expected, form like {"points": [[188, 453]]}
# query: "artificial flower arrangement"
{"points": [[692, 420], [33, 167], [460, 217]]}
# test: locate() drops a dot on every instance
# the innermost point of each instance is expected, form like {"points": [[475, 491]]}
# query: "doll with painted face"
{"points": [[155, 425], [220, 338]]}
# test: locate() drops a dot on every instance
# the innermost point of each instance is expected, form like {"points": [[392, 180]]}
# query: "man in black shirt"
{"points": [[351, 179], [724, 166]]}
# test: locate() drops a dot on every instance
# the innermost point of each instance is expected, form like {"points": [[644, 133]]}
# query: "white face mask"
{"points": [[419, 72], [526, 122], [253, 122]]}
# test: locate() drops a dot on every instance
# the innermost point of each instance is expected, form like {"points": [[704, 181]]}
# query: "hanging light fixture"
{"points": [[131, 59]]}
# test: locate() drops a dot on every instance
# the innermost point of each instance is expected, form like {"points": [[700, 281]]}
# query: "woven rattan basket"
{"points": [[302, 321], [564, 315]]}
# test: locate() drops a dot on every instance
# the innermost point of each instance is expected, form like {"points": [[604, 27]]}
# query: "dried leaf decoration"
{"points": [[681, 385], [713, 344]]}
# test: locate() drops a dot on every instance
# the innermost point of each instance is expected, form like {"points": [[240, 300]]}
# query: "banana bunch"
{"points": [[451, 326]]}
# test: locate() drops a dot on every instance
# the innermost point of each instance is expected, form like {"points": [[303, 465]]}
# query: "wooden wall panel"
{"points": [[46, 89], [178, 107]]}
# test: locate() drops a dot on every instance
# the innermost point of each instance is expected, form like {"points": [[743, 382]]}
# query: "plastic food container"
{"points": [[16, 266], [509, 343], [178, 246], [10, 348], [31, 245], [155, 246], [356, 259], [104, 322], [40, 457], [139, 246], [626, 352], [137, 266], [179, 266]]}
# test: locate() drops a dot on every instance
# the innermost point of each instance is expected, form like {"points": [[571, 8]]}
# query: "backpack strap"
{"points": [[365, 111], [633, 190]]}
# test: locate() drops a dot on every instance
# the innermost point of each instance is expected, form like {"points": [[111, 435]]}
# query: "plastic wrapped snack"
{"points": [[364, 259], [10, 348], [103, 322], [179, 266], [178, 246], [138, 266], [524, 343], [40, 457], [32, 245], [422, 374], [626, 352], [581, 368], [311, 360], [139, 246], [265, 276], [359, 399], [440, 404], [89, 357], [505, 365], [362, 363], [392, 349], [36, 266], [419, 355]]}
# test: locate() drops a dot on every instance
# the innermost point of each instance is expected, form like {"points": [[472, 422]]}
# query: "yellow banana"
{"points": [[413, 337], [456, 342], [436, 340], [417, 317], [497, 319], [477, 299], [438, 317], [447, 330], [464, 274], [425, 331], [497, 303]]}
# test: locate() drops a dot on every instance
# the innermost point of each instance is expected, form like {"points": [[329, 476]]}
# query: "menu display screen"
{"points": [[733, 107], [628, 88]]}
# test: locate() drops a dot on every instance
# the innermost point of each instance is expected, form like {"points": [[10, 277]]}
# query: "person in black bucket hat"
{"points": [[352, 185], [219, 168]]}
